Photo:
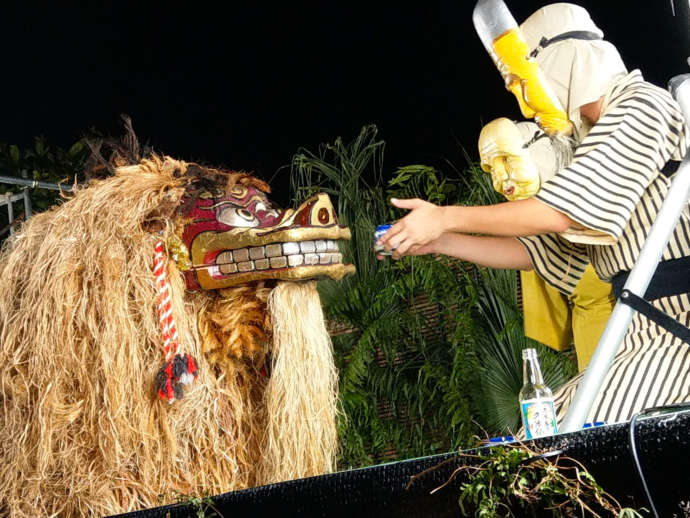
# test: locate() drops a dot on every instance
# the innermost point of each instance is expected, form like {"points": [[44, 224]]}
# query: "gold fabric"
{"points": [[546, 312], [558, 321], [592, 303]]}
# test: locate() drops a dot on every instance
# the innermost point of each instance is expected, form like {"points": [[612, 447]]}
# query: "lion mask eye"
{"points": [[234, 217]]}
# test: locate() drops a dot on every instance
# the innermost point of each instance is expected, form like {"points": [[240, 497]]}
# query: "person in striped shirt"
{"points": [[630, 134]]}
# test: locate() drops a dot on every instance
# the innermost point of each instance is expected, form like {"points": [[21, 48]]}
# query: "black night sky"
{"points": [[245, 86]]}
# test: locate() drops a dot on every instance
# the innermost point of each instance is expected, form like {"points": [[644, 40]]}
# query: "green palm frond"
{"points": [[499, 351], [428, 348], [352, 174], [399, 384]]}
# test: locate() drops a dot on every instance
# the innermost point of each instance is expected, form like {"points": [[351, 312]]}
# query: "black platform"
{"points": [[663, 445]]}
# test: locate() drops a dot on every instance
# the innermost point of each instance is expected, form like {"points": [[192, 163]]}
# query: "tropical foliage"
{"points": [[429, 348], [498, 345], [42, 162]]}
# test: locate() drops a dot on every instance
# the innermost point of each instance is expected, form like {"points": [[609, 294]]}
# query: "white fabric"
{"points": [[578, 71]]}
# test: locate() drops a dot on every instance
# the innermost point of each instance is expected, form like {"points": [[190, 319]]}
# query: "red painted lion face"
{"points": [[234, 235]]}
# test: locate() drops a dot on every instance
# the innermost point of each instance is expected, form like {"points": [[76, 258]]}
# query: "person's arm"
{"points": [[426, 222], [494, 252]]}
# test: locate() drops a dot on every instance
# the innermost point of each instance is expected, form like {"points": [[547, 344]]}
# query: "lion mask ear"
{"points": [[121, 152], [213, 178], [250, 181]]}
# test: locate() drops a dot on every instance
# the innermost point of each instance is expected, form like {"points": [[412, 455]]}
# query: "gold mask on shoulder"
{"points": [[501, 152]]}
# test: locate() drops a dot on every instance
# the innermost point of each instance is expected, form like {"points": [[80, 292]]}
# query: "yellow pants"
{"points": [[558, 321]]}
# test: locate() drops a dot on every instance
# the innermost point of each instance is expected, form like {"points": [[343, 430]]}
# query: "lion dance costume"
{"points": [[160, 334]]}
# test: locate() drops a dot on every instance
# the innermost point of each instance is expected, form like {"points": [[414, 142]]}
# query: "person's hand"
{"points": [[412, 234], [430, 248]]}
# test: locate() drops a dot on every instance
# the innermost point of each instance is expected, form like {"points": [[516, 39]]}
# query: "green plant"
{"points": [[428, 346], [41, 162], [404, 373], [44, 162], [508, 481], [422, 180], [498, 346], [202, 505], [499, 337]]}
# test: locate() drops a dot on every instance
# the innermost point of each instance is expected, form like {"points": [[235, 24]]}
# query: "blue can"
{"points": [[378, 233]]}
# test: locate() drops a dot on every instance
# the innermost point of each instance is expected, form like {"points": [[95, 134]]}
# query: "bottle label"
{"points": [[538, 418]]}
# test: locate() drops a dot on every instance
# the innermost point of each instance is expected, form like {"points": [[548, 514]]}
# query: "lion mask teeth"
{"points": [[279, 255]]}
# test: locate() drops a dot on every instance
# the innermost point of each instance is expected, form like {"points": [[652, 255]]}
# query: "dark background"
{"points": [[245, 85]]}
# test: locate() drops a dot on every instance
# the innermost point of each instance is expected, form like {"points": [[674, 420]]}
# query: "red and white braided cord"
{"points": [[165, 317]]}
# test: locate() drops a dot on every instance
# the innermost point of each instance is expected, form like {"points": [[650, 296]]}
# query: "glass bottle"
{"points": [[536, 399]]}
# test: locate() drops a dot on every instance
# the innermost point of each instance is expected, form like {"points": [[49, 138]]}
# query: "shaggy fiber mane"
{"points": [[81, 431]]}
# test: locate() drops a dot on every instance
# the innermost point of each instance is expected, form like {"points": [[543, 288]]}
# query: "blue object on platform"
{"points": [[594, 424], [497, 440]]}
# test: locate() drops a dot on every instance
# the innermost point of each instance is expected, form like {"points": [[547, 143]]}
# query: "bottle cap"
{"points": [[529, 353]]}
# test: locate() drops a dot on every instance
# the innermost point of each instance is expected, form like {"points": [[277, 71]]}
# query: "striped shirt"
{"points": [[614, 188]]}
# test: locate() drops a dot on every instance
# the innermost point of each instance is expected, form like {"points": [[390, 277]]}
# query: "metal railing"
{"points": [[9, 199]]}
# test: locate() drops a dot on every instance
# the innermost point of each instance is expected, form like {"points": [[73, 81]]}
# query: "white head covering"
{"points": [[579, 71]]}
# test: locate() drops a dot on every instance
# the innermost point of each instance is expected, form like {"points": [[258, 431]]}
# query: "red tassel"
{"points": [[191, 365], [182, 370]]}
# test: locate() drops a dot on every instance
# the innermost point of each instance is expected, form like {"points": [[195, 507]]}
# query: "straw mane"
{"points": [[81, 431]]}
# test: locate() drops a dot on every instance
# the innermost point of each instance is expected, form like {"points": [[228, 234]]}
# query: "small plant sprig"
{"points": [[506, 481], [202, 505]]}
